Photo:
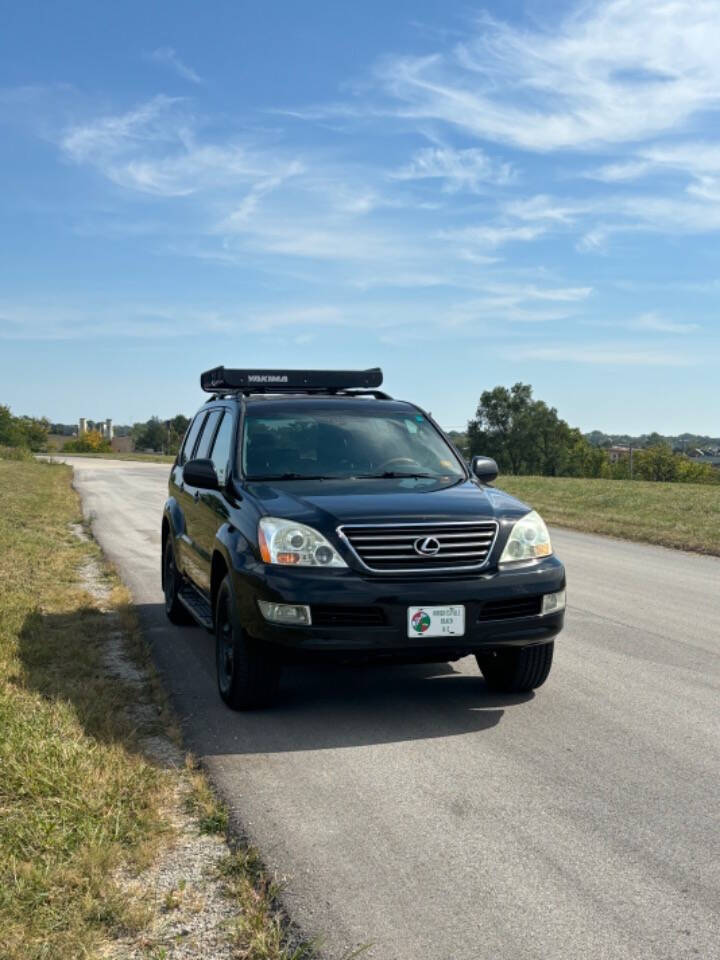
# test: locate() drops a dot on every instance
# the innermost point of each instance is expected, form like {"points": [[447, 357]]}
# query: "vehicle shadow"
{"points": [[77, 657], [320, 706]]}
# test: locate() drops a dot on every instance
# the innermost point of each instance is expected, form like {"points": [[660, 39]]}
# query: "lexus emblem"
{"points": [[427, 546]]}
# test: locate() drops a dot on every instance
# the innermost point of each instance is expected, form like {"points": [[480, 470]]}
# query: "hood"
{"points": [[328, 503]]}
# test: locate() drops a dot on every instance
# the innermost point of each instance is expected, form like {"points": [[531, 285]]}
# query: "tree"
{"points": [[163, 435], [176, 431], [657, 462], [27, 432], [550, 439], [527, 436], [152, 435], [501, 428], [10, 433], [35, 431]]}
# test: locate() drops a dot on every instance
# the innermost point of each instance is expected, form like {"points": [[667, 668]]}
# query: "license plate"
{"points": [[436, 621]]}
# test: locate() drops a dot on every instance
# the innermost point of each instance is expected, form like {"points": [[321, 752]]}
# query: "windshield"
{"points": [[343, 444]]}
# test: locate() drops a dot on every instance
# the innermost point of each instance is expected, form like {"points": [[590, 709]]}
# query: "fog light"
{"points": [[553, 602], [285, 612]]}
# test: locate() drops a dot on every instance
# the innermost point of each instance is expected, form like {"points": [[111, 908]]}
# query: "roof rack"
{"points": [[222, 381]]}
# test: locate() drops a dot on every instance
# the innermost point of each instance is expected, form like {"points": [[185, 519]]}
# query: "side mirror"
{"points": [[201, 473], [485, 469]]}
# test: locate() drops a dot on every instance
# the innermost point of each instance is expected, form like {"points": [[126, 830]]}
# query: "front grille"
{"points": [[331, 616], [512, 607], [392, 547]]}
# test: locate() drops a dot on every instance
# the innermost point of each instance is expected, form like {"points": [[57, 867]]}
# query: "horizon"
{"points": [[126, 424], [510, 192]]}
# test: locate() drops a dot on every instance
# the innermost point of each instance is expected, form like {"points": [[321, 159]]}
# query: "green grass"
{"points": [[15, 453], [681, 515], [77, 800], [79, 803]]}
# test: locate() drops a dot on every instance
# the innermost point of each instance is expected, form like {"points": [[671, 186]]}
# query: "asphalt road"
{"points": [[417, 812]]}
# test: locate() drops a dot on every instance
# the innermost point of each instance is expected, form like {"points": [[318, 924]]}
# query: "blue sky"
{"points": [[465, 195]]}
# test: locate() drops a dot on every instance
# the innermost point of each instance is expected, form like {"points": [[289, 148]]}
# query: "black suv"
{"points": [[311, 515]]}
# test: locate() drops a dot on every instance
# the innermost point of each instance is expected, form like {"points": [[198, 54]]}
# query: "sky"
{"points": [[464, 195]]}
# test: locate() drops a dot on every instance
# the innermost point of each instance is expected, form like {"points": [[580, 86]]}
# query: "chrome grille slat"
{"points": [[405, 546], [389, 548], [401, 536]]}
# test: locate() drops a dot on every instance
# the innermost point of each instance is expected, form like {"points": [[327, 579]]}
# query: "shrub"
{"points": [[90, 442], [15, 453]]}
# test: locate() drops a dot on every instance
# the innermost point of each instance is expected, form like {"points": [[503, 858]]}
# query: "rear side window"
{"points": [[190, 438], [203, 450], [221, 450]]}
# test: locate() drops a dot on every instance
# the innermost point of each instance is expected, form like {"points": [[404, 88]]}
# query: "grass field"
{"points": [[681, 515], [81, 806], [75, 800]]}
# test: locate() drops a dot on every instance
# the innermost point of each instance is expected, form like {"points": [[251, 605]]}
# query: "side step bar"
{"points": [[196, 605]]}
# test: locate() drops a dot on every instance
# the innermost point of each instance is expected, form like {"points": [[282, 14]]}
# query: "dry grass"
{"points": [[681, 515], [83, 808], [76, 800]]}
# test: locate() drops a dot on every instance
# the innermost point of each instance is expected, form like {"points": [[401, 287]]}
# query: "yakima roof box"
{"points": [[222, 380]]}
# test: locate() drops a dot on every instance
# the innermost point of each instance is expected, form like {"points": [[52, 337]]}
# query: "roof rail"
{"points": [[221, 380]]}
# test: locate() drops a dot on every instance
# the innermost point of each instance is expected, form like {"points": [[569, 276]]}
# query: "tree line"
{"points": [[156, 435], [162, 436], [31, 434], [526, 436]]}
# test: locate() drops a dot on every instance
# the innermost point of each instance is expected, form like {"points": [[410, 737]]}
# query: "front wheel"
{"points": [[248, 676], [516, 669]]}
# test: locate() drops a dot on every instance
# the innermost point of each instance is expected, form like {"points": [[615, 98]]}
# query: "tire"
{"points": [[517, 669], [174, 610], [248, 676]]}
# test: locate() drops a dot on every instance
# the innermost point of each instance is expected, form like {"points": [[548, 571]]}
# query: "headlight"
{"points": [[529, 539], [294, 544]]}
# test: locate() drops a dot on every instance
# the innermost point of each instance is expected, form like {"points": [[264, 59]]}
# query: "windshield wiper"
{"points": [[396, 474], [288, 476]]}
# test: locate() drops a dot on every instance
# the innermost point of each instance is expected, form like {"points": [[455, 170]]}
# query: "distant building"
{"points": [[700, 456], [122, 444], [105, 427], [617, 453], [709, 455]]}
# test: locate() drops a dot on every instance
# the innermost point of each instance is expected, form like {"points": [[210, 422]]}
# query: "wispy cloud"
{"points": [[550, 210], [697, 162], [607, 73], [492, 235], [657, 324], [449, 218], [169, 58], [154, 149], [457, 170]]}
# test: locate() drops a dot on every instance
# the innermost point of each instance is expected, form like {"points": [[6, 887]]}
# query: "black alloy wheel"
{"points": [[248, 675]]}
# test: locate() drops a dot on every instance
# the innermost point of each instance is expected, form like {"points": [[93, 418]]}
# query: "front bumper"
{"points": [[389, 600]]}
